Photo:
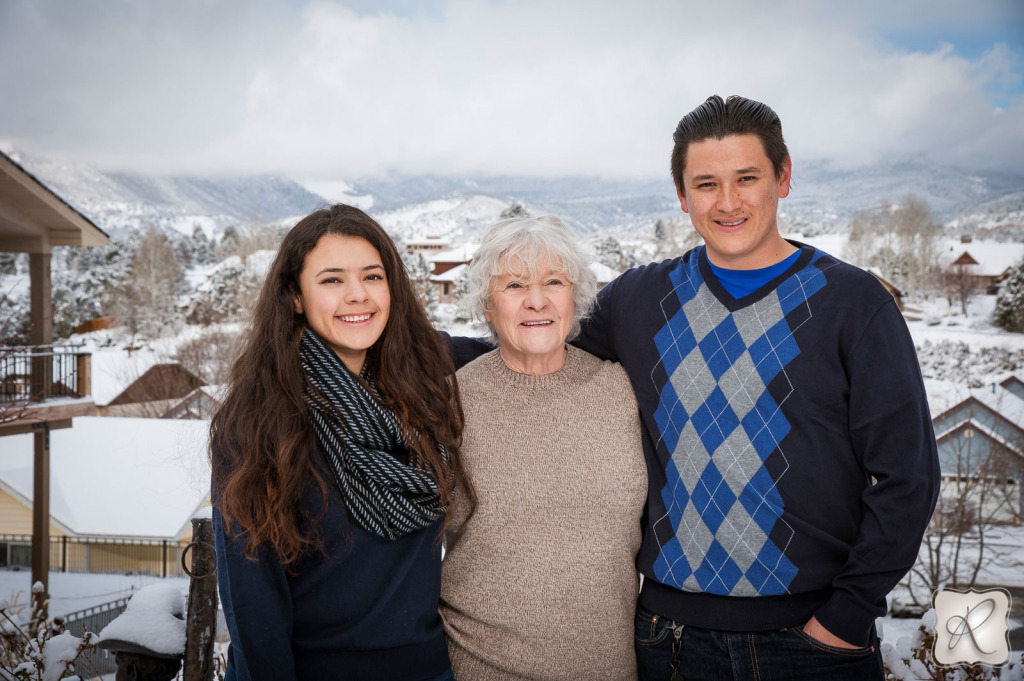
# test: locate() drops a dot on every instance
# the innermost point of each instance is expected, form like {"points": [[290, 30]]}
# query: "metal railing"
{"points": [[159, 557], [41, 372], [93, 619]]}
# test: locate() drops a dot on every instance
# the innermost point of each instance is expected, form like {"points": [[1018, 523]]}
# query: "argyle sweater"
{"points": [[791, 462]]}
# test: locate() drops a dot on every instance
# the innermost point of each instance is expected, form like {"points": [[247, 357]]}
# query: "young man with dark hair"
{"points": [[792, 466]]}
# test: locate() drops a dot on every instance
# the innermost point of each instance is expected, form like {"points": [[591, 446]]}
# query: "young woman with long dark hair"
{"points": [[335, 456]]}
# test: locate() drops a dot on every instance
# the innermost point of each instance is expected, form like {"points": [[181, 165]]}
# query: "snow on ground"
{"points": [[74, 591]]}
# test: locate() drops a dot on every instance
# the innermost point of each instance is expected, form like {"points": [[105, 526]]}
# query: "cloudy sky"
{"points": [[329, 89]]}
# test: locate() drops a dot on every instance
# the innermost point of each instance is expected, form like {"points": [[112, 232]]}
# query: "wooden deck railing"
{"points": [[44, 372]]}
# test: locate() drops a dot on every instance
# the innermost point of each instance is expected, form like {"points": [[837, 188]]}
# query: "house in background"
{"points": [[447, 282], [452, 258], [157, 390], [138, 383], [123, 493], [981, 445], [986, 263]]}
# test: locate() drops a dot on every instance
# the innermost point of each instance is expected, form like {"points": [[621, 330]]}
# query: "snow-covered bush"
{"points": [[50, 655], [912, 659], [956, 361]]}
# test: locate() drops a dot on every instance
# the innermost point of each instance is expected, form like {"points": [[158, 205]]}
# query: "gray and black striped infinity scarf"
{"points": [[364, 445]]}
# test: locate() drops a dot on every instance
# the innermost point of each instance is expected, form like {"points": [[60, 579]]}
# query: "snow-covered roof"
{"points": [[1003, 402], [463, 253], [114, 369], [603, 273], [993, 257], [122, 477], [451, 275]]}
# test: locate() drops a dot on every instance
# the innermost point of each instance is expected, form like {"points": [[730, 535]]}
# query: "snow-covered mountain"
{"points": [[121, 200], [824, 198]]}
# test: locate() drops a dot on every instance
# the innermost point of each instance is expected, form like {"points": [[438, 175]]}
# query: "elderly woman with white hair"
{"points": [[539, 580]]}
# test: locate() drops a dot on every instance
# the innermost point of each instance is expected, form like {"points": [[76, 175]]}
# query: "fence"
{"points": [[94, 662], [99, 554], [41, 372]]}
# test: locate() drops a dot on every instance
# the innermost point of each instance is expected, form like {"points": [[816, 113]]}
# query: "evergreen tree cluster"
{"points": [[1009, 311], [140, 279]]}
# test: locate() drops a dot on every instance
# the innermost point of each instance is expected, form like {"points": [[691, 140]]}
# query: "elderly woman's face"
{"points": [[531, 316]]}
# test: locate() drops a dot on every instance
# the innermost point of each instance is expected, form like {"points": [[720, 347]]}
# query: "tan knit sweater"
{"points": [[543, 583]]}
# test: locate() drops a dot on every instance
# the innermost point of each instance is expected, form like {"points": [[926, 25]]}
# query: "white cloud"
{"points": [[500, 87]]}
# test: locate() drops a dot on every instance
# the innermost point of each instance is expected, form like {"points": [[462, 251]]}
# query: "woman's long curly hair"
{"points": [[262, 441]]}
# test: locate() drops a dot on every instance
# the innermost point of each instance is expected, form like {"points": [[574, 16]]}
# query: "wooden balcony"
{"points": [[43, 384]]}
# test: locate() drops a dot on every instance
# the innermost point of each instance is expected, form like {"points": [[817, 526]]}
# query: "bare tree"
{"points": [[959, 283], [146, 302], [901, 240], [210, 355], [246, 240]]}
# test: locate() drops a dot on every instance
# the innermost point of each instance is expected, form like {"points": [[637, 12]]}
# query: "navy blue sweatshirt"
{"points": [[367, 610], [791, 462]]}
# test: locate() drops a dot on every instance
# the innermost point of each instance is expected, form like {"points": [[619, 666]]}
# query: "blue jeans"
{"points": [[664, 647]]}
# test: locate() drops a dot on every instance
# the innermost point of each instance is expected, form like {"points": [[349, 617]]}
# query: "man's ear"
{"points": [[785, 176], [682, 199]]}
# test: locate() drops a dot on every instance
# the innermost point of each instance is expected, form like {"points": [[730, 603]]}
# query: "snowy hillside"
{"points": [[823, 199], [117, 201], [453, 218]]}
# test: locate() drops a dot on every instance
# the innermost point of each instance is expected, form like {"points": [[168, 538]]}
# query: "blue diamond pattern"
{"points": [[718, 573], [714, 420], [712, 497], [722, 347]]}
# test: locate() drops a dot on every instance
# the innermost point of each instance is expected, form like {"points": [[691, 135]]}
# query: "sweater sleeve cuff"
{"points": [[849, 618]]}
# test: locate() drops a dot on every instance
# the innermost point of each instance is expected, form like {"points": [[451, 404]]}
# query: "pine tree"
{"points": [[8, 263], [202, 249], [609, 251], [184, 251], [229, 244], [515, 210], [14, 317], [1009, 311], [426, 291], [659, 231]]}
